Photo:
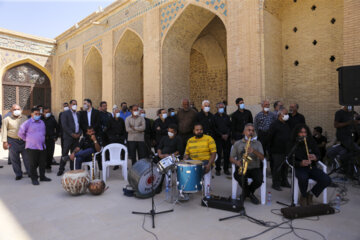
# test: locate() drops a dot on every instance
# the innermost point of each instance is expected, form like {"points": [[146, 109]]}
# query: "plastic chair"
{"points": [[89, 164], [236, 186], [115, 150], [311, 183]]}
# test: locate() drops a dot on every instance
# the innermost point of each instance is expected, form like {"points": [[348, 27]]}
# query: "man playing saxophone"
{"points": [[251, 147]]}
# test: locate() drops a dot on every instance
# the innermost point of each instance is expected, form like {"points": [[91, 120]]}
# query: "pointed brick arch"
{"points": [[67, 81], [92, 87]]}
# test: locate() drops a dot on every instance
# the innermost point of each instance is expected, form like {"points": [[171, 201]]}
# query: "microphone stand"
{"points": [[152, 212]]}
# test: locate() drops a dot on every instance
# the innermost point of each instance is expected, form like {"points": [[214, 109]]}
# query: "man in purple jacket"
{"points": [[32, 132]]}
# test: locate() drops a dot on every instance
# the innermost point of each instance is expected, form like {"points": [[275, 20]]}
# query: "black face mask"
{"points": [[124, 109], [199, 135]]}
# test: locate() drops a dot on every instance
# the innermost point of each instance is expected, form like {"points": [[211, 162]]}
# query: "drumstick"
{"points": [[307, 151]]}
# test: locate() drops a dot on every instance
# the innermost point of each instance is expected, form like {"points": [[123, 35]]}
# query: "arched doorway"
{"points": [[93, 77], [67, 83], [194, 59], [27, 86], [129, 69]]}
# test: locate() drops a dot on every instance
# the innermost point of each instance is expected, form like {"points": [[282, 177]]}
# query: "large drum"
{"points": [[189, 174], [140, 178], [75, 182]]}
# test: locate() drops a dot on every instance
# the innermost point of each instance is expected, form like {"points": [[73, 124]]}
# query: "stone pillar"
{"points": [[108, 79], [79, 72]]}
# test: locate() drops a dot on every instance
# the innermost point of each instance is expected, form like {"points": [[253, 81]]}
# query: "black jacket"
{"points": [[163, 129], [52, 127], [222, 125], [115, 131], [95, 120], [207, 122], [300, 152], [238, 122], [279, 137], [295, 120]]}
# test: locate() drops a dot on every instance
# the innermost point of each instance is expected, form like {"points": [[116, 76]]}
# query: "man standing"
{"points": [[255, 151], [135, 127], [89, 117], [33, 133], [206, 118], [279, 138], [186, 118], [124, 113], [104, 116], [65, 107], [222, 125], [295, 117], [115, 129], [277, 106], [71, 133], [52, 133], [172, 116], [262, 124], [239, 119], [149, 133], [11, 140]]}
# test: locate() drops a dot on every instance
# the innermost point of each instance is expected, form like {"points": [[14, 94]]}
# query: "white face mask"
{"points": [[242, 106], [41, 110], [85, 107], [47, 115], [143, 115], [266, 109], [221, 110], [170, 134], [286, 117], [206, 109], [17, 113], [136, 113], [117, 115], [164, 115], [349, 108], [66, 108], [74, 107]]}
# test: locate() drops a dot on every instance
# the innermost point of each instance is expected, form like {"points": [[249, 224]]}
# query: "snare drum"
{"points": [[189, 173], [166, 164]]}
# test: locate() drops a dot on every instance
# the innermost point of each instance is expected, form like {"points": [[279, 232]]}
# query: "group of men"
{"points": [[197, 135]]}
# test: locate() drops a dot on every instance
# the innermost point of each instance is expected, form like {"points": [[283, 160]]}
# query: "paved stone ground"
{"points": [[48, 212]]}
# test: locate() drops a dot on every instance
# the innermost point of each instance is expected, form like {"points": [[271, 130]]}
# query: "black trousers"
{"points": [[263, 137], [139, 147], [255, 174], [279, 170], [50, 148], [37, 158], [69, 145], [349, 158], [223, 149], [303, 175]]}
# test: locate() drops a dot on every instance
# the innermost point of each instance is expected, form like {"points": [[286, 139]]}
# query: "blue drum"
{"points": [[189, 174]]}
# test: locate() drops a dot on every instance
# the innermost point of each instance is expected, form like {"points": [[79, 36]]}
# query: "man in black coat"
{"points": [[239, 119], [89, 117], [51, 135]]}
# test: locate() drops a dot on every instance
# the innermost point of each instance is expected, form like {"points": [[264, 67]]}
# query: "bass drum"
{"points": [[140, 179]]}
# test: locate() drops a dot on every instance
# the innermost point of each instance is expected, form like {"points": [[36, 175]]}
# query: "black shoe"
{"points": [[25, 173], [286, 184], [9, 163], [217, 173], [48, 170], [227, 172], [254, 199], [54, 163], [45, 179], [35, 182], [18, 178], [116, 168], [276, 187], [59, 173]]}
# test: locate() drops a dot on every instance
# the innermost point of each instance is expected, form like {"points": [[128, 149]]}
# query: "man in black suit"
{"points": [[89, 117], [71, 133]]}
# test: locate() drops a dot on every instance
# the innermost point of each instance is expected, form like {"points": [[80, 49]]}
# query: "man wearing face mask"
{"points": [[186, 118], [33, 133], [206, 118], [170, 144], [52, 133], [262, 123], [172, 116], [295, 117], [104, 115], [90, 117], [239, 119], [135, 127], [115, 129], [161, 125], [344, 121], [71, 133], [124, 113], [279, 138], [65, 108], [11, 140], [222, 127]]}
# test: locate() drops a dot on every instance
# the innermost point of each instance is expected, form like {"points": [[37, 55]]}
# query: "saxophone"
{"points": [[245, 158]]}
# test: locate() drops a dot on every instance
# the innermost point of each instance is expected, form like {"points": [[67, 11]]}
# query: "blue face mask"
{"points": [[172, 114], [37, 118], [221, 110]]}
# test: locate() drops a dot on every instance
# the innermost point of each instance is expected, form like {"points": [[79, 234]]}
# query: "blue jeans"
{"points": [[83, 156]]}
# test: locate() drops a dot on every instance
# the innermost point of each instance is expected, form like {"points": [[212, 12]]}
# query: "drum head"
{"points": [[189, 162]]}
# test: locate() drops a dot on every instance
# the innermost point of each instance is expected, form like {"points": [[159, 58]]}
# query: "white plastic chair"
{"points": [[236, 186], [115, 150], [310, 184], [84, 165]]}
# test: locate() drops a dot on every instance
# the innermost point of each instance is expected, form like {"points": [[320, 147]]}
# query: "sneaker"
{"points": [[18, 178], [35, 182], [254, 199], [45, 179], [217, 173]]}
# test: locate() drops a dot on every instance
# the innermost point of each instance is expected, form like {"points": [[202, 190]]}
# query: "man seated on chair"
{"points": [[171, 144], [202, 147], [305, 165], [254, 170], [89, 144]]}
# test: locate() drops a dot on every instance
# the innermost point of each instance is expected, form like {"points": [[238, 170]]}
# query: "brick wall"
{"points": [[93, 77]]}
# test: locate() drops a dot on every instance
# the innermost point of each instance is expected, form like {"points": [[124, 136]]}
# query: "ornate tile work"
{"points": [[136, 26], [97, 44], [20, 44]]}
